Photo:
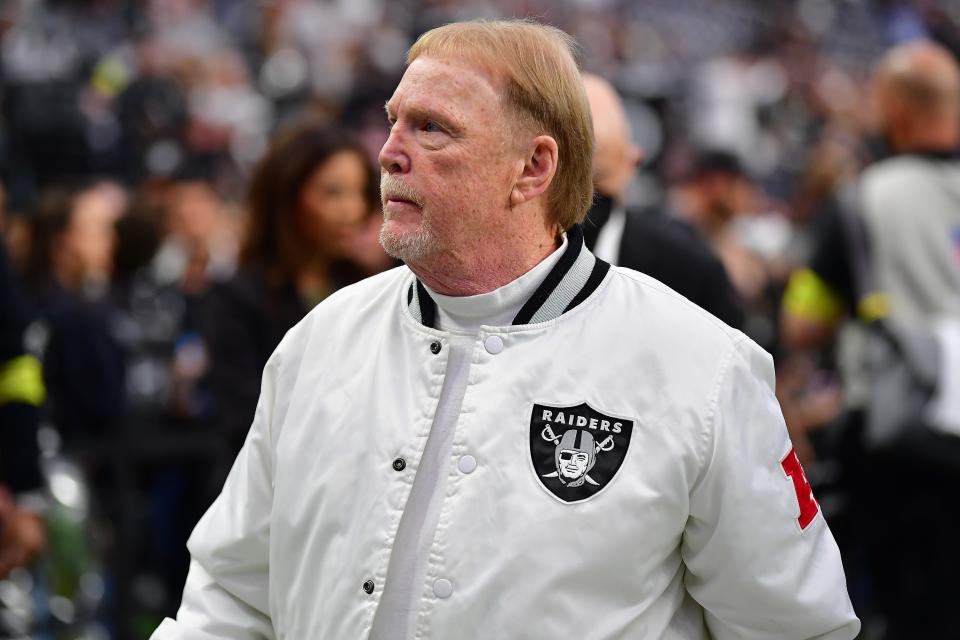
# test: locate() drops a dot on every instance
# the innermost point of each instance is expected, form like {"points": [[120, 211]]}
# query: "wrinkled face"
{"points": [[333, 203], [448, 167], [572, 464]]}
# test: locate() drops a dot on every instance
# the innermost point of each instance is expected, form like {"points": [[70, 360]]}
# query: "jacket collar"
{"points": [[576, 275]]}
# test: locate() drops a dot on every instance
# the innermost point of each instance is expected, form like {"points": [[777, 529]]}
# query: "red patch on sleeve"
{"points": [[808, 505]]}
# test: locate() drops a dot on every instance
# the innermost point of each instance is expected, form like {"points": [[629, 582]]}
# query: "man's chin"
{"points": [[407, 244]]}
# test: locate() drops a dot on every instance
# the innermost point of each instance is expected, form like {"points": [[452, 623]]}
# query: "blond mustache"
{"points": [[392, 188]]}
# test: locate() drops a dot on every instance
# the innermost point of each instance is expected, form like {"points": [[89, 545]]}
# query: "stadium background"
{"points": [[161, 109]]}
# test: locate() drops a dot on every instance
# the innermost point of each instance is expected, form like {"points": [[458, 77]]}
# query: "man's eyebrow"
{"points": [[428, 114]]}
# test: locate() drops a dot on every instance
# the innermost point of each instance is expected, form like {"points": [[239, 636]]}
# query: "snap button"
{"points": [[493, 345], [442, 588], [399, 464], [368, 586], [435, 347], [467, 464]]}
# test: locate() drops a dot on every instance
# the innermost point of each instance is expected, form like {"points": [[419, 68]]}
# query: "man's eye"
{"points": [[431, 127]]}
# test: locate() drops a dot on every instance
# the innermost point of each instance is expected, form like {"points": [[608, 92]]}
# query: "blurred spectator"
{"points": [[68, 271], [714, 194], [665, 249], [22, 533], [198, 244], [152, 114], [42, 64], [309, 196], [21, 395], [901, 233], [228, 117], [150, 316], [729, 94], [168, 408], [918, 125], [728, 205]]}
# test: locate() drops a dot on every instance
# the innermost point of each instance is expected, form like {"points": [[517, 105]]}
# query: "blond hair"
{"points": [[542, 88]]}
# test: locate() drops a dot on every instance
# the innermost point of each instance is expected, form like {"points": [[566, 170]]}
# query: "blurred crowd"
{"points": [[182, 180]]}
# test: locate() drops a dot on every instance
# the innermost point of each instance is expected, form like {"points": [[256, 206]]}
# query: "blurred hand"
{"points": [[22, 535], [809, 401]]}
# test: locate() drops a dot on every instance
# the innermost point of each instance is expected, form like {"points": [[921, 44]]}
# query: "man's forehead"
{"points": [[436, 79]]}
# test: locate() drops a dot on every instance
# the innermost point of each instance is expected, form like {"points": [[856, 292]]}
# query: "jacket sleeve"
{"points": [[227, 589], [760, 558]]}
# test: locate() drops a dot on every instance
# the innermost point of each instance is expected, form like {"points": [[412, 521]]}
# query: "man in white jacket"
{"points": [[409, 470]]}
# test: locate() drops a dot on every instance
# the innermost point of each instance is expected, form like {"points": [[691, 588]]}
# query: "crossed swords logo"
{"points": [[605, 445]]}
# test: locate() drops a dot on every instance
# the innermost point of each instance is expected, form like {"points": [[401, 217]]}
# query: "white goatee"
{"points": [[407, 246]]}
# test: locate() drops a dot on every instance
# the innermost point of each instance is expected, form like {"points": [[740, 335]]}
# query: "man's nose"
{"points": [[393, 158]]}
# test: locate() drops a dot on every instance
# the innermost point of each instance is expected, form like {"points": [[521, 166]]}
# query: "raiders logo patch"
{"points": [[576, 451]]}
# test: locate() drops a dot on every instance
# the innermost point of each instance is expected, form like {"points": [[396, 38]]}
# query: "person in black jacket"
{"points": [[663, 248], [67, 275], [308, 196], [21, 395]]}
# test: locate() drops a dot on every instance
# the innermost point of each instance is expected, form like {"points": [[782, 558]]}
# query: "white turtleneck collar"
{"points": [[497, 308]]}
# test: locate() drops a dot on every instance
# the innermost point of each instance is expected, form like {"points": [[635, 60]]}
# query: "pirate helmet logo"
{"points": [[575, 456], [580, 461]]}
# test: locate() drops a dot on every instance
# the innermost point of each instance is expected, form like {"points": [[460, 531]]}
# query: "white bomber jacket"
{"points": [[684, 516]]}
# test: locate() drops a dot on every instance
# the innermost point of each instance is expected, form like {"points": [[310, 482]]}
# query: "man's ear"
{"points": [[539, 167]]}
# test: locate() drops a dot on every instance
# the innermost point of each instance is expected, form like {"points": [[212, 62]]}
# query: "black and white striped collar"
{"points": [[576, 275]]}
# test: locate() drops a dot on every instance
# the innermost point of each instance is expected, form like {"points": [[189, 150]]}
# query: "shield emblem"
{"points": [[576, 451]]}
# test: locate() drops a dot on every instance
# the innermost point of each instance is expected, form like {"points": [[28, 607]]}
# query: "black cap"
{"points": [[716, 161]]}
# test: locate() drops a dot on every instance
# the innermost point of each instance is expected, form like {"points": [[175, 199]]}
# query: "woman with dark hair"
{"points": [[67, 273], [308, 196]]}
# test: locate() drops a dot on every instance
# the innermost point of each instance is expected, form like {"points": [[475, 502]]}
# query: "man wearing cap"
{"points": [[435, 394]]}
